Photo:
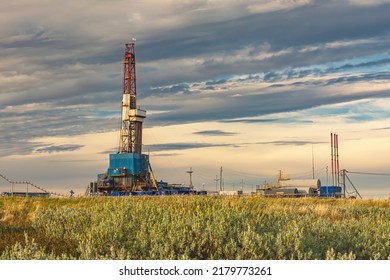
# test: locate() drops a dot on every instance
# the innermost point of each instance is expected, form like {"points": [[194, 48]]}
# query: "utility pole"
{"points": [[327, 176], [190, 172], [216, 182], [220, 179], [331, 157], [312, 158], [344, 174], [280, 175]]}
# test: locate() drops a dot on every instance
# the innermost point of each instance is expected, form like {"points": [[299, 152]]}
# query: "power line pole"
{"points": [[190, 172], [344, 186], [312, 158], [327, 176], [216, 182], [220, 179]]}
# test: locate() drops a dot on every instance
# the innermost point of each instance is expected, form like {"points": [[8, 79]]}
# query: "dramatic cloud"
{"points": [[291, 142], [165, 154], [381, 128], [214, 133], [243, 69], [183, 146], [58, 148]]}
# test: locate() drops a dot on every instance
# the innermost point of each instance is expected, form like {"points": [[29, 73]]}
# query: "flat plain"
{"points": [[194, 227]]}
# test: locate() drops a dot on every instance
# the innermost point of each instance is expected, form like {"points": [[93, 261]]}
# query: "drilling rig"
{"points": [[129, 169]]}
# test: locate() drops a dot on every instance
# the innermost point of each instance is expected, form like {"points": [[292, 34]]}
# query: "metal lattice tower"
{"points": [[132, 118]]}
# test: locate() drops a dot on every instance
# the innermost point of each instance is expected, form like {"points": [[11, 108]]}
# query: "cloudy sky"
{"points": [[253, 86]]}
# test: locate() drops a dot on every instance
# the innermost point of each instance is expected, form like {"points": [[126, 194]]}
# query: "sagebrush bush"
{"points": [[191, 227]]}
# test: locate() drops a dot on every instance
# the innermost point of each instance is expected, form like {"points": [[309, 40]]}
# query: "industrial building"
{"points": [[299, 188], [285, 187], [291, 188]]}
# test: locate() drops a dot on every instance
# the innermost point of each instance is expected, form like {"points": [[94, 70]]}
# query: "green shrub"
{"points": [[192, 227]]}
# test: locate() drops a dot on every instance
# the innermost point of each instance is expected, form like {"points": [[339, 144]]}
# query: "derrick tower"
{"points": [[132, 118], [129, 169]]}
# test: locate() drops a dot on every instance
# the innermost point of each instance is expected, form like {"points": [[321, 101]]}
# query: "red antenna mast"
{"points": [[334, 147]]}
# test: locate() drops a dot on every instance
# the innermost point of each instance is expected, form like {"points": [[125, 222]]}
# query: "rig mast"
{"points": [[132, 118], [129, 170]]}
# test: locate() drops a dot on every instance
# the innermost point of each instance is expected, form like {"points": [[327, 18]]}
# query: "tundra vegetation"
{"points": [[192, 227]]}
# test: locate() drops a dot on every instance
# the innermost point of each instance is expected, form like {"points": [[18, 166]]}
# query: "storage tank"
{"points": [[279, 192], [231, 193], [308, 187], [304, 183]]}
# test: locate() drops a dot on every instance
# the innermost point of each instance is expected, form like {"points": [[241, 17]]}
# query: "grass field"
{"points": [[191, 227]]}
